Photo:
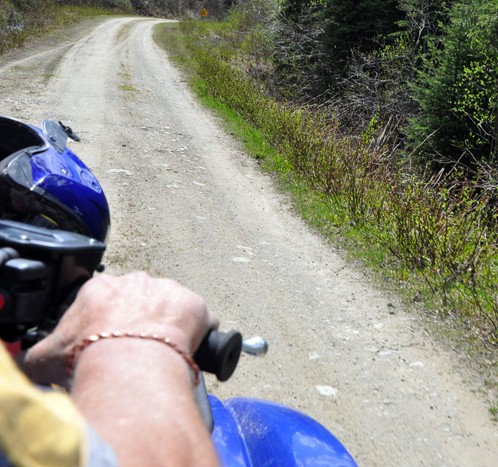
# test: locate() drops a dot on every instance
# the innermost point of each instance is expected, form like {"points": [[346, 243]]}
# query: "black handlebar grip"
{"points": [[219, 353]]}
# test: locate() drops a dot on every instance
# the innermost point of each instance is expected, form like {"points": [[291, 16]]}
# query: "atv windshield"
{"points": [[55, 133]]}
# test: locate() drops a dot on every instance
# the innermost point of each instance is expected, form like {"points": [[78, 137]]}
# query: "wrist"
{"points": [[135, 391], [118, 348], [176, 334]]}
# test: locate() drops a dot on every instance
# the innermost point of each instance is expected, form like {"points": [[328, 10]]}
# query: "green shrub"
{"points": [[440, 230]]}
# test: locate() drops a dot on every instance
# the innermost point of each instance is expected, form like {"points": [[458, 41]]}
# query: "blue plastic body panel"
{"points": [[251, 432], [64, 176]]}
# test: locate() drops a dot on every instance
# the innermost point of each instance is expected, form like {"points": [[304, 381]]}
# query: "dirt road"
{"points": [[187, 203]]}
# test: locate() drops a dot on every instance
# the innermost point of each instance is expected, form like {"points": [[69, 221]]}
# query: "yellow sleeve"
{"points": [[37, 428]]}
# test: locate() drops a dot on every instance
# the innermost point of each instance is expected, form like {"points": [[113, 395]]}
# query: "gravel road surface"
{"points": [[187, 202]]}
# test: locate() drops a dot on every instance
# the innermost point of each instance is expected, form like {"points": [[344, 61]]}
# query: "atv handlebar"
{"points": [[40, 273]]}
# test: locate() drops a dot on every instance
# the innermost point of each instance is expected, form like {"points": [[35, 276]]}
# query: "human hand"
{"points": [[133, 303]]}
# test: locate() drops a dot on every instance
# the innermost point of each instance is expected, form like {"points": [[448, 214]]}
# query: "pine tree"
{"points": [[357, 25], [457, 91]]}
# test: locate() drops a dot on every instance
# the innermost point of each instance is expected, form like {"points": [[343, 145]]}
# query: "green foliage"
{"points": [[358, 26], [476, 103], [294, 10], [22, 20], [376, 89], [439, 227], [315, 41], [438, 231], [433, 63], [423, 22], [456, 89]]}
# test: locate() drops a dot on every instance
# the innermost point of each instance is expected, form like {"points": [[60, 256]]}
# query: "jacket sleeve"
{"points": [[43, 428], [99, 453]]}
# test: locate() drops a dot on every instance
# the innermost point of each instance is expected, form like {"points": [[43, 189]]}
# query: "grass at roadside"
{"points": [[433, 241], [48, 18]]}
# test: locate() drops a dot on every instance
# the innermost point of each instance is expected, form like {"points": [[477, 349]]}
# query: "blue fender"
{"points": [[251, 432]]}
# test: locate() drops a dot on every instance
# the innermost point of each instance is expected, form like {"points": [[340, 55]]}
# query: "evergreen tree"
{"points": [[456, 90], [316, 39], [423, 22], [292, 9], [357, 25]]}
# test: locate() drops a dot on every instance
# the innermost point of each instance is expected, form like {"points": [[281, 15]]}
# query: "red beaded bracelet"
{"points": [[78, 348]]}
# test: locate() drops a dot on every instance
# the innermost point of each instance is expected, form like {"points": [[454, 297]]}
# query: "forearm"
{"points": [[139, 396]]}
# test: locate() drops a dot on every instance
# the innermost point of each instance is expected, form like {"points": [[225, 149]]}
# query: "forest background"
{"points": [[380, 117]]}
